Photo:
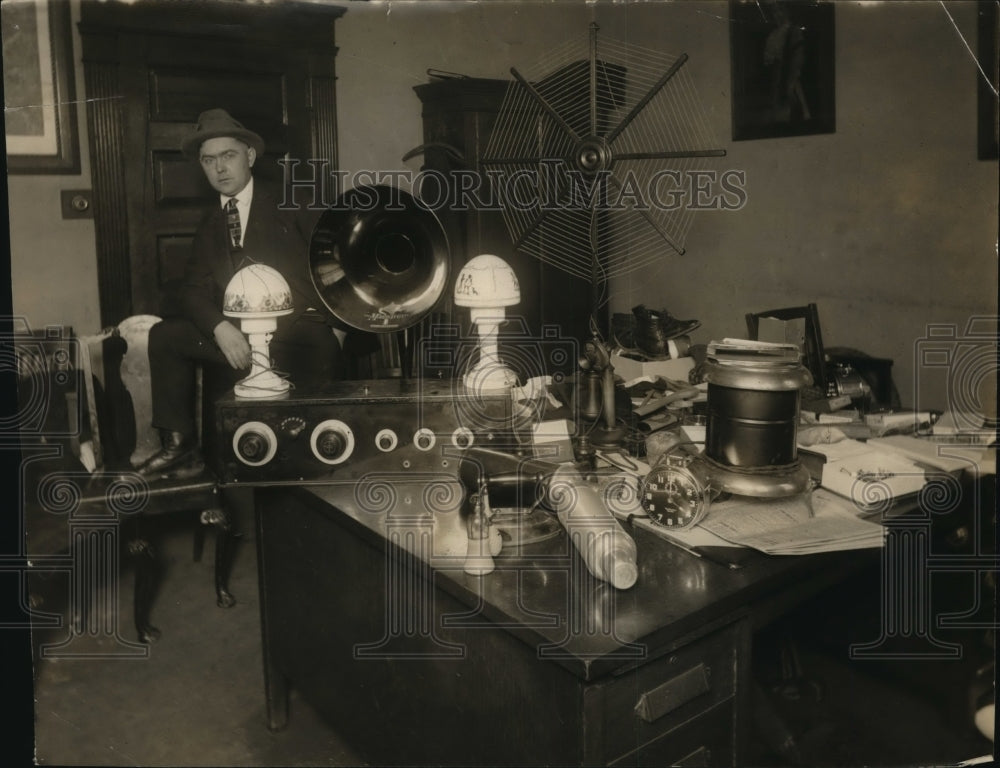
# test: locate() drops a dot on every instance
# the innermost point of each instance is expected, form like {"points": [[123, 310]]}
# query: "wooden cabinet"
{"points": [[150, 69]]}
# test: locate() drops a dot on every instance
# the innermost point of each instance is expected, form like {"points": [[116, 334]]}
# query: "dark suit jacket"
{"points": [[278, 238]]}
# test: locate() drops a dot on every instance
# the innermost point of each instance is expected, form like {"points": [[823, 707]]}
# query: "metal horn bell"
{"points": [[379, 259]]}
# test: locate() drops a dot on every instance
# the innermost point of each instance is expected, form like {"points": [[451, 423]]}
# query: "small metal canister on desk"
{"points": [[753, 415]]}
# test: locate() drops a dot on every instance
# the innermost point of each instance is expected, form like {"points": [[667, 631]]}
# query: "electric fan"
{"points": [[592, 156]]}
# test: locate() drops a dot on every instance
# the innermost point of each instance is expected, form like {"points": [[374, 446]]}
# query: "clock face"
{"points": [[672, 496]]}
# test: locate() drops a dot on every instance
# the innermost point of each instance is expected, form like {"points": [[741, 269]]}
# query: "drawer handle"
{"points": [[668, 696]]}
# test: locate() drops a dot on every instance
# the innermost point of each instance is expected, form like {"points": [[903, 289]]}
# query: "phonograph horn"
{"points": [[379, 259]]}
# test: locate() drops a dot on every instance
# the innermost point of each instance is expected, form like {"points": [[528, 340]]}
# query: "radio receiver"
{"points": [[379, 261]]}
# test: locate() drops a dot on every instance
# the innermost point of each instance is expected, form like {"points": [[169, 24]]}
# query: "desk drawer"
{"points": [[655, 698], [706, 741]]}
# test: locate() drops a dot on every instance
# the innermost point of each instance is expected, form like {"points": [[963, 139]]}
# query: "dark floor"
{"points": [[197, 697]]}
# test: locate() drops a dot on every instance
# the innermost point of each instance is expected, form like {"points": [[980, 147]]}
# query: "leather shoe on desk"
{"points": [[176, 449]]}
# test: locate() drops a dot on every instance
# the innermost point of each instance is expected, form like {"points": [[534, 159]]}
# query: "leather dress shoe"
{"points": [[176, 449], [654, 329]]}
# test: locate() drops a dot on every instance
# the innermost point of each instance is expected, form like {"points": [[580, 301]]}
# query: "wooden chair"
{"points": [[115, 369]]}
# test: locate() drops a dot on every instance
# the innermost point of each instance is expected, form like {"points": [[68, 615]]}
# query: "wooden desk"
{"points": [[370, 617]]}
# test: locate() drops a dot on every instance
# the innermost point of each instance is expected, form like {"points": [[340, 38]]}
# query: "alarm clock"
{"points": [[676, 492]]}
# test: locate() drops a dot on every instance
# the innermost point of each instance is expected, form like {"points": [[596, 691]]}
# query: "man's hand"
{"points": [[233, 344]]}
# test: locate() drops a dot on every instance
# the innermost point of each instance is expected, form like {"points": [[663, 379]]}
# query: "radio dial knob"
{"points": [[252, 446], [424, 439], [330, 444], [386, 440], [255, 443]]}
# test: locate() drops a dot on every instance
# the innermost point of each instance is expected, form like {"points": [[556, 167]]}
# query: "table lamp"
{"points": [[257, 295], [486, 285]]}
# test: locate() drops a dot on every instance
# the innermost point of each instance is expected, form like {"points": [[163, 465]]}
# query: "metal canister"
{"points": [[753, 412]]}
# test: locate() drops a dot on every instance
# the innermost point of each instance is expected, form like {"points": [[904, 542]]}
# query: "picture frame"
{"points": [[989, 67], [39, 90], [782, 67]]}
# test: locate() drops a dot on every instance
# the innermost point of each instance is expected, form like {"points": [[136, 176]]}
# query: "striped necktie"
{"points": [[233, 225]]}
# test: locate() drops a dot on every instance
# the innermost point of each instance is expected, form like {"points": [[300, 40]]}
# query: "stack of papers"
{"points": [[745, 350], [942, 453], [799, 525], [817, 521], [870, 476]]}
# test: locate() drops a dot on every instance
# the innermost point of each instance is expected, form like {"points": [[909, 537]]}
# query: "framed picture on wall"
{"points": [[39, 99], [988, 79], [782, 60]]}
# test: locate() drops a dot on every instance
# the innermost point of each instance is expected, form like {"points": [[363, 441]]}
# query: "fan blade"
{"points": [[670, 155], [669, 240], [535, 224], [545, 105], [653, 223], [511, 160], [647, 98]]}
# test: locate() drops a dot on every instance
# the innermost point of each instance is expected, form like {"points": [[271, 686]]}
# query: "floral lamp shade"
{"points": [[257, 291]]}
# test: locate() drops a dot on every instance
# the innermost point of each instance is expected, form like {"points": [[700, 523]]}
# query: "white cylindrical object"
{"points": [[607, 550]]}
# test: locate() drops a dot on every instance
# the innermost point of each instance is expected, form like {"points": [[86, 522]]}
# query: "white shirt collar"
{"points": [[243, 197]]}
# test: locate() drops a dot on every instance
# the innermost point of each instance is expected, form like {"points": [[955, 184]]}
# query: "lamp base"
{"points": [[262, 385], [490, 377]]}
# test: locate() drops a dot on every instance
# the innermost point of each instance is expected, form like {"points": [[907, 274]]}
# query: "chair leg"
{"points": [[219, 517], [144, 560], [199, 543]]}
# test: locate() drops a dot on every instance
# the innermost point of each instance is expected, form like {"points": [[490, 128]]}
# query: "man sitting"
{"points": [[243, 227]]}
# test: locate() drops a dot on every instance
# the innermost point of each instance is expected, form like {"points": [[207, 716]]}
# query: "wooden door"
{"points": [[151, 69]]}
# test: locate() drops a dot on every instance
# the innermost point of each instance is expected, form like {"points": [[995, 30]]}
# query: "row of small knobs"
{"points": [[255, 443]]}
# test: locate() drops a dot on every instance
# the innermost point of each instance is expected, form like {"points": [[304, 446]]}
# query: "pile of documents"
{"points": [[869, 475], [817, 521], [748, 351]]}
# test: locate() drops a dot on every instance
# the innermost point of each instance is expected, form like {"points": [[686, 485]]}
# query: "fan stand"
{"points": [[599, 406], [598, 371]]}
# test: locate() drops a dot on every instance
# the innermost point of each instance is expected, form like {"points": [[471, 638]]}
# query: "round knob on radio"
{"points": [[252, 446], [330, 444], [463, 437], [386, 440], [424, 439], [332, 441], [255, 443]]}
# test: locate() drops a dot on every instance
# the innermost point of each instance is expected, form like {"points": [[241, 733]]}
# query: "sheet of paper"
{"points": [[816, 522]]}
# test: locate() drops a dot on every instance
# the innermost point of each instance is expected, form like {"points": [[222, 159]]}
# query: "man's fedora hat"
{"points": [[214, 123]]}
